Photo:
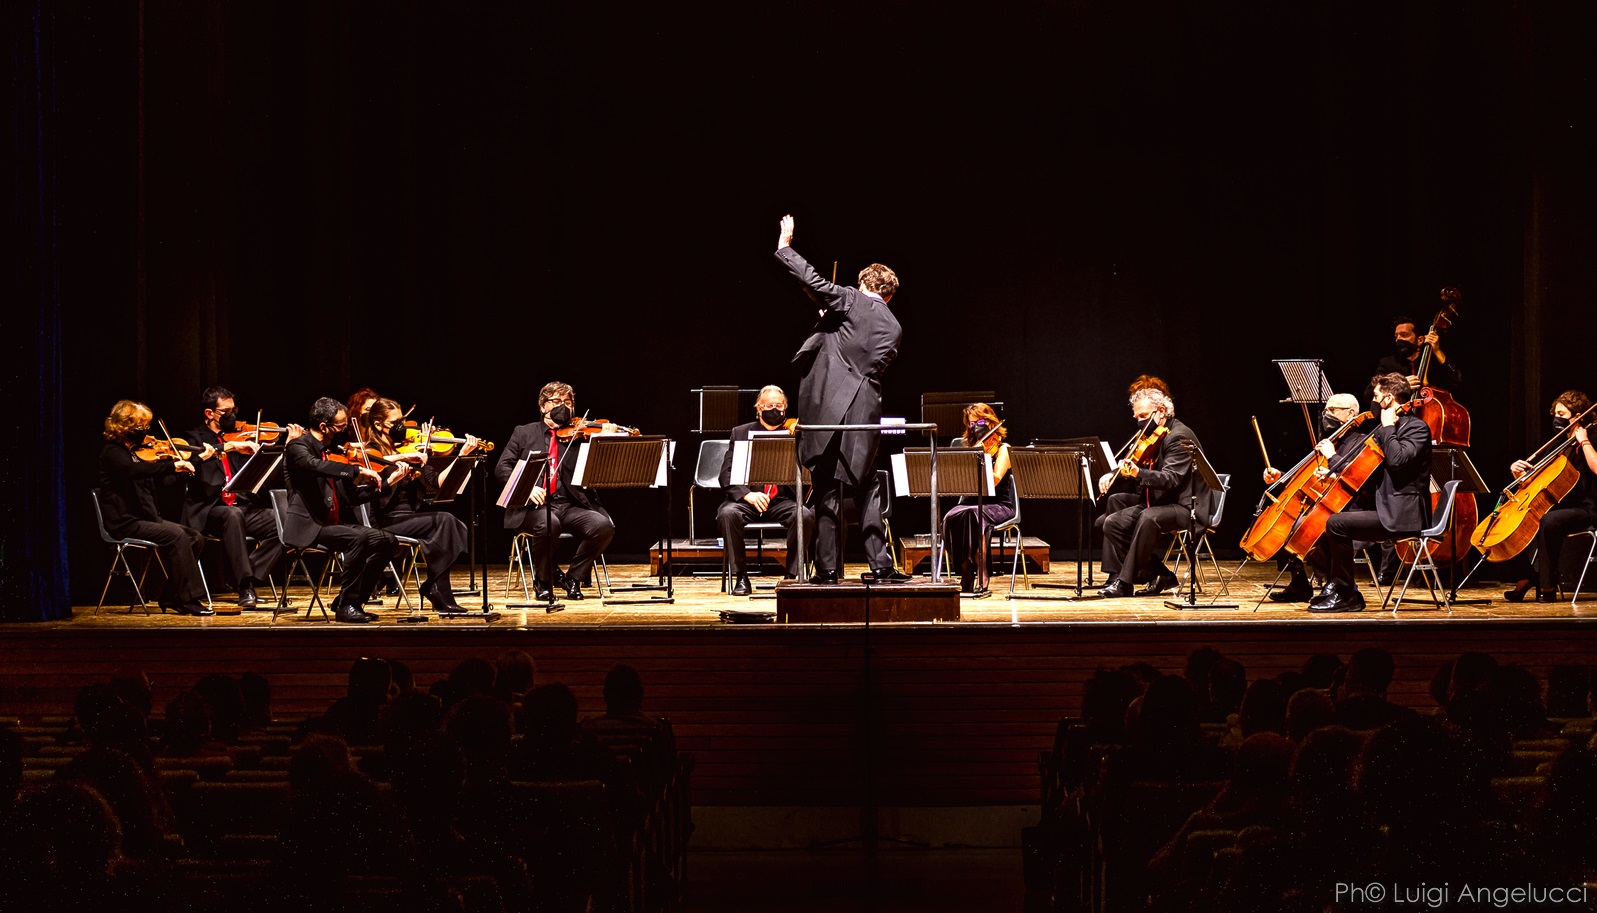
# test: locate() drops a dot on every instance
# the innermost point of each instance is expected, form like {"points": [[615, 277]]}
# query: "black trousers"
{"points": [[593, 530], [1345, 534], [443, 541], [230, 525], [366, 553], [1557, 525], [968, 535], [179, 548], [832, 481], [732, 516], [1131, 536]]}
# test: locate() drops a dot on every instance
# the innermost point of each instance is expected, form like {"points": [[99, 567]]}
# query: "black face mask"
{"points": [[135, 435], [560, 415], [397, 434], [1329, 424], [772, 417], [228, 422], [1406, 349], [1560, 423]]}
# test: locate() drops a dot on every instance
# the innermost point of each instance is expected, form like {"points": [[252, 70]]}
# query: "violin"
{"points": [[990, 442], [254, 434], [154, 448], [1145, 451], [441, 441], [353, 455], [1513, 522], [582, 429]]}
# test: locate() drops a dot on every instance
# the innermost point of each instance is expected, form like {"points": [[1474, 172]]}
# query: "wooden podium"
{"points": [[845, 602]]}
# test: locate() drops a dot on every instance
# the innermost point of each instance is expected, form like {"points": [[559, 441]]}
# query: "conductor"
{"points": [[840, 367]]}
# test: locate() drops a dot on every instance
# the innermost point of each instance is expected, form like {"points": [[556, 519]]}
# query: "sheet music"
{"points": [[893, 420], [900, 475], [511, 484], [666, 454], [740, 462], [1108, 455]]}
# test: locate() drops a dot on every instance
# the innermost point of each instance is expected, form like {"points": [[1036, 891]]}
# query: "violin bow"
{"points": [[168, 435], [1258, 435], [258, 414]]}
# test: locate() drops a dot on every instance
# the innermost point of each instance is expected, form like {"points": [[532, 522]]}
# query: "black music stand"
{"points": [[253, 474], [961, 471], [1200, 465], [627, 461], [1305, 381], [453, 482], [1449, 463], [767, 458], [1100, 462], [947, 409], [721, 408], [526, 475], [1058, 473]]}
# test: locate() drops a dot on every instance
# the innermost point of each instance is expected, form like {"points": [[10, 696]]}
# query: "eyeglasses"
{"points": [[340, 427], [563, 399]]}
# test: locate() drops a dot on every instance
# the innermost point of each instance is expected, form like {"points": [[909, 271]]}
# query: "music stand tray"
{"points": [[1306, 383], [960, 472], [625, 461], [516, 494]]}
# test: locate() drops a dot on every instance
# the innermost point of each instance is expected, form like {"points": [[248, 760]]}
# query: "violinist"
{"points": [[1402, 486], [400, 509], [226, 516], [1576, 513], [1340, 408], [322, 494], [770, 504], [359, 406], [575, 510], [968, 526], [128, 485], [1151, 498]]}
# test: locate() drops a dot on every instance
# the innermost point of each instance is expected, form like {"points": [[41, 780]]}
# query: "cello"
{"points": [[1513, 522], [1286, 501], [1450, 424]]}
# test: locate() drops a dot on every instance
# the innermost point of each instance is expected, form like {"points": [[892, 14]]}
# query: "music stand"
{"points": [[947, 410], [767, 458], [960, 471], [253, 474], [452, 483], [720, 408], [628, 461], [1305, 381], [1058, 473], [1200, 465], [517, 493], [1449, 463]]}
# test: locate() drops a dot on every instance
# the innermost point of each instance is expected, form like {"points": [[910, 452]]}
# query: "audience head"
{"points": [[1307, 711], [1471, 671], [135, 690], [481, 725], [188, 721], [1415, 774], [1199, 662], [550, 711], [1263, 708], [1439, 683], [1567, 685], [1323, 771], [319, 764], [1145, 673], [122, 783], [1369, 671], [427, 776], [1227, 682], [65, 834], [1519, 695], [514, 671], [225, 700], [623, 690], [1318, 670], [1259, 771], [403, 681], [369, 680], [471, 676], [1167, 716], [1104, 701], [91, 707]]}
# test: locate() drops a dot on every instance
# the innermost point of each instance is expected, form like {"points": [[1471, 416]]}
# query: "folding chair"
{"points": [[413, 553], [297, 556], [1423, 561], [121, 560], [1187, 550]]}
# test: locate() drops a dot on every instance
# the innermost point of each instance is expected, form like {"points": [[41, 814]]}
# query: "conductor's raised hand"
{"points": [[785, 237]]}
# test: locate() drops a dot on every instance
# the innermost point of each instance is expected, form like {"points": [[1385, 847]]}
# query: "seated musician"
{"points": [[401, 508], [1339, 409], [128, 501], [1402, 494], [322, 495], [575, 510], [1576, 513], [227, 516], [769, 504], [1148, 501], [968, 526]]}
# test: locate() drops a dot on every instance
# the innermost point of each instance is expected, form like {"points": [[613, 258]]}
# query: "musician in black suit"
{"points": [[767, 504], [1148, 502], [129, 504], [321, 501], [1402, 486], [575, 510], [841, 366], [1407, 342], [231, 517]]}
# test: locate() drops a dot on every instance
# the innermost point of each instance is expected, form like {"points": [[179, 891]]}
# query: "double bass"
{"points": [[1450, 425], [1513, 522]]}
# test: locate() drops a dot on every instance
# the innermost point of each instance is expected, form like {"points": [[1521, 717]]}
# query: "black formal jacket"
{"points": [[531, 438], [128, 487], [736, 492], [1446, 376], [1403, 483], [205, 485], [312, 482], [1174, 477], [841, 366]]}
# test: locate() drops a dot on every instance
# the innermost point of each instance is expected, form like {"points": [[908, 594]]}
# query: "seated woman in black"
{"points": [[967, 528], [1576, 513], [402, 509]]}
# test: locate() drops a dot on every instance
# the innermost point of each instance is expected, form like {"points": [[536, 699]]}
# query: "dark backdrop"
{"points": [[456, 203]]}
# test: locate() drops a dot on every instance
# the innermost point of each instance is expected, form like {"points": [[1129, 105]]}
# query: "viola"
{"points": [[1145, 452], [582, 429], [990, 442], [154, 448], [1294, 494], [267, 434], [1513, 522], [353, 454], [1344, 487]]}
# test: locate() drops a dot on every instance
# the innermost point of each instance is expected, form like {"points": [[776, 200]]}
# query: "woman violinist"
{"points": [[1576, 513], [401, 510], [128, 473], [967, 528]]}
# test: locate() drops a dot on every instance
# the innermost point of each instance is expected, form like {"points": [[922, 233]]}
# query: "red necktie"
{"points": [[332, 512], [554, 464], [770, 492], [227, 472]]}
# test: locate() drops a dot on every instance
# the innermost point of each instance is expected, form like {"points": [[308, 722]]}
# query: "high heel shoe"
{"points": [[1517, 594]]}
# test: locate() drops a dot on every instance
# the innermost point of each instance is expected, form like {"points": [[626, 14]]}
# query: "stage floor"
{"points": [[699, 601]]}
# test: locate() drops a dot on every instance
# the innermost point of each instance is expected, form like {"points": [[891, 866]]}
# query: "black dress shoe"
{"points": [[391, 589], [573, 589], [740, 586], [891, 575], [195, 608], [352, 615], [1335, 598], [1299, 590], [1116, 589], [1158, 586], [824, 578], [1546, 595], [247, 598]]}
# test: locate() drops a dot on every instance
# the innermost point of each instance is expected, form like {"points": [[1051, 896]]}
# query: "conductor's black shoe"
{"points": [[891, 575], [1116, 589], [740, 586], [247, 598], [573, 589], [824, 578], [1338, 598], [1158, 586], [1299, 590], [351, 615]]}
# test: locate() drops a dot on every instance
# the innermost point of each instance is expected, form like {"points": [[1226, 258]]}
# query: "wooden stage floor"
{"points": [[699, 601]]}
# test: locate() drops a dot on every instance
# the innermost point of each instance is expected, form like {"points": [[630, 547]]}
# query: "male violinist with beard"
{"points": [[226, 516]]}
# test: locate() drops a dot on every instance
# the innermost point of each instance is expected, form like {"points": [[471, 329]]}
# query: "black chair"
{"points": [[297, 556], [412, 556], [120, 560], [1423, 561]]}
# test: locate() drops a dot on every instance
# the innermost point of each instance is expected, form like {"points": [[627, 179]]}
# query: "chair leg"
{"points": [[604, 572], [115, 559], [1574, 598]]}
